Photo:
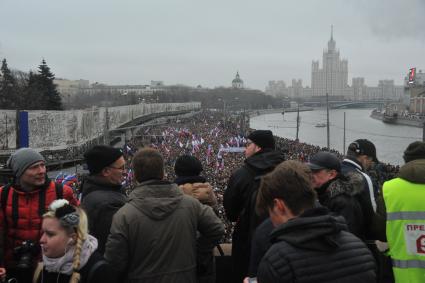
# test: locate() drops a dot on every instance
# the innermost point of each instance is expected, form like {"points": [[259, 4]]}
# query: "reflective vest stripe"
{"points": [[405, 219], [406, 215], [408, 263]]}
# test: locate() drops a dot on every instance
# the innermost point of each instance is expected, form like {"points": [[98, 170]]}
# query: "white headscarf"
{"points": [[64, 264]]}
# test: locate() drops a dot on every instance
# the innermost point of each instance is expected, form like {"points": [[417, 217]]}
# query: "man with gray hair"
{"points": [[23, 202]]}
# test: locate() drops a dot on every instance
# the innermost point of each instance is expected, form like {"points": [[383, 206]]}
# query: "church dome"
{"points": [[237, 79], [237, 82]]}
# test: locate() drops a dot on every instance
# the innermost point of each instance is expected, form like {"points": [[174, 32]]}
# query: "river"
{"points": [[390, 140]]}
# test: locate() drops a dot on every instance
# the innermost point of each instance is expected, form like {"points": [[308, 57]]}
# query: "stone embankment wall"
{"points": [[62, 129], [400, 120]]}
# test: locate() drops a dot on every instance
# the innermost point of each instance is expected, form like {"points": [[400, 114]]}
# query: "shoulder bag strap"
{"points": [[59, 190], [94, 268]]}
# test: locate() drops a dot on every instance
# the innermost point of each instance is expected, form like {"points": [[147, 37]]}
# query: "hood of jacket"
{"points": [[156, 199], [265, 160], [413, 171], [95, 183], [351, 184], [201, 191], [315, 229]]}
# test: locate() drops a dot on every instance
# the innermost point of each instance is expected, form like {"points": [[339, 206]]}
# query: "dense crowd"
{"points": [[204, 181], [208, 136]]}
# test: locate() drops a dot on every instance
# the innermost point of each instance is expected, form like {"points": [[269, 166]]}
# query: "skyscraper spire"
{"points": [[331, 42]]}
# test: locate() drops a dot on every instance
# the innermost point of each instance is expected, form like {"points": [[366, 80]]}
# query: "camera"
{"points": [[25, 253]]}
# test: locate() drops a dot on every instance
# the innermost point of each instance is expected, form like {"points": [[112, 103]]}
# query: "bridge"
{"points": [[358, 104], [343, 104]]}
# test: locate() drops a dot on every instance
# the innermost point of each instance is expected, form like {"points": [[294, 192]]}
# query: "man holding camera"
{"points": [[23, 202]]}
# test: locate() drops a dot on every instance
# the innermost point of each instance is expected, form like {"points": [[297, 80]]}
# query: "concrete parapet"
{"points": [[55, 130]]}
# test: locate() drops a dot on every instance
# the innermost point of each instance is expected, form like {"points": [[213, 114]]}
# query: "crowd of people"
{"points": [[154, 210], [206, 137]]}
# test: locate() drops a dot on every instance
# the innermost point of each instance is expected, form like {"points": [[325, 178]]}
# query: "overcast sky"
{"points": [[205, 42]]}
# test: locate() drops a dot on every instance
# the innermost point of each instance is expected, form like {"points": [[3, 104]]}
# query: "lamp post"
{"points": [[327, 122], [6, 146], [224, 111]]}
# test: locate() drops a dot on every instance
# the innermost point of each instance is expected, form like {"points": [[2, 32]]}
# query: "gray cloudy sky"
{"points": [[204, 42]]}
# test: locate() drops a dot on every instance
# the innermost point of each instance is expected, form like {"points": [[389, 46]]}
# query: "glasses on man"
{"points": [[122, 168]]}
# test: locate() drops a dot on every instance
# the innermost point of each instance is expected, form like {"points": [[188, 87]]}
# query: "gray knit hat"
{"points": [[23, 158]]}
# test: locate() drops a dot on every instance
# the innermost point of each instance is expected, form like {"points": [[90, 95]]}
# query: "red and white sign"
{"points": [[414, 234], [412, 75], [420, 244]]}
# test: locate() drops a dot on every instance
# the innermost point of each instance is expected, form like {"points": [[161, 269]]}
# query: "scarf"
{"points": [[64, 264]]}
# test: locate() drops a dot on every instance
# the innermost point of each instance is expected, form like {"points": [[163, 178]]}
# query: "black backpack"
{"points": [[15, 209], [249, 219]]}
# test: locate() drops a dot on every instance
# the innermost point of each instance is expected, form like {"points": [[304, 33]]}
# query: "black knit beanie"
{"points": [[187, 165], [263, 139], [101, 156], [415, 150]]}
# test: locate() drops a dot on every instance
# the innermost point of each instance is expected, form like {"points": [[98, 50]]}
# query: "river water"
{"points": [[390, 140]]}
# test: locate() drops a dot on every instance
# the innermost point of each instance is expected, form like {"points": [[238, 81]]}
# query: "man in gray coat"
{"points": [[154, 236]]}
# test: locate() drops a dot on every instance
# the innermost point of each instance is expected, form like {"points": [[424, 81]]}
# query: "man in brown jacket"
{"points": [[188, 169], [153, 236]]}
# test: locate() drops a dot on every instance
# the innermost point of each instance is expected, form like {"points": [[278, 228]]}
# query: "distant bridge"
{"points": [[358, 104], [348, 104]]}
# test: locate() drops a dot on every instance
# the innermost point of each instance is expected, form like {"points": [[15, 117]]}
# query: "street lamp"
{"points": [[224, 111], [237, 105]]}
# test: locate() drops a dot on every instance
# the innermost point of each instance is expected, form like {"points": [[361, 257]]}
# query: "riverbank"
{"points": [[278, 110], [390, 139], [399, 121]]}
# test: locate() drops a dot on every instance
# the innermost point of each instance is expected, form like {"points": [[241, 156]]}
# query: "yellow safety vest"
{"points": [[405, 205]]}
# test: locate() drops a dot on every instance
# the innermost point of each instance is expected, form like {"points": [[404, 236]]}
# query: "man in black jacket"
{"points": [[308, 244], [102, 191], [337, 192], [361, 155], [239, 197]]}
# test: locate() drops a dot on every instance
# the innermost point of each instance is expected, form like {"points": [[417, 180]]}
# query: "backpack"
{"points": [[249, 219], [15, 209]]}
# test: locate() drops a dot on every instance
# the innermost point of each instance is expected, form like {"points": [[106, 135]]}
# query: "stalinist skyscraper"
{"points": [[333, 77]]}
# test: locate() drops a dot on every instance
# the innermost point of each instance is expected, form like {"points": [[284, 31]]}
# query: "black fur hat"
{"points": [[101, 156], [415, 150], [187, 165]]}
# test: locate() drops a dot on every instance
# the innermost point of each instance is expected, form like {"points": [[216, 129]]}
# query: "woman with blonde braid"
{"points": [[69, 252]]}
